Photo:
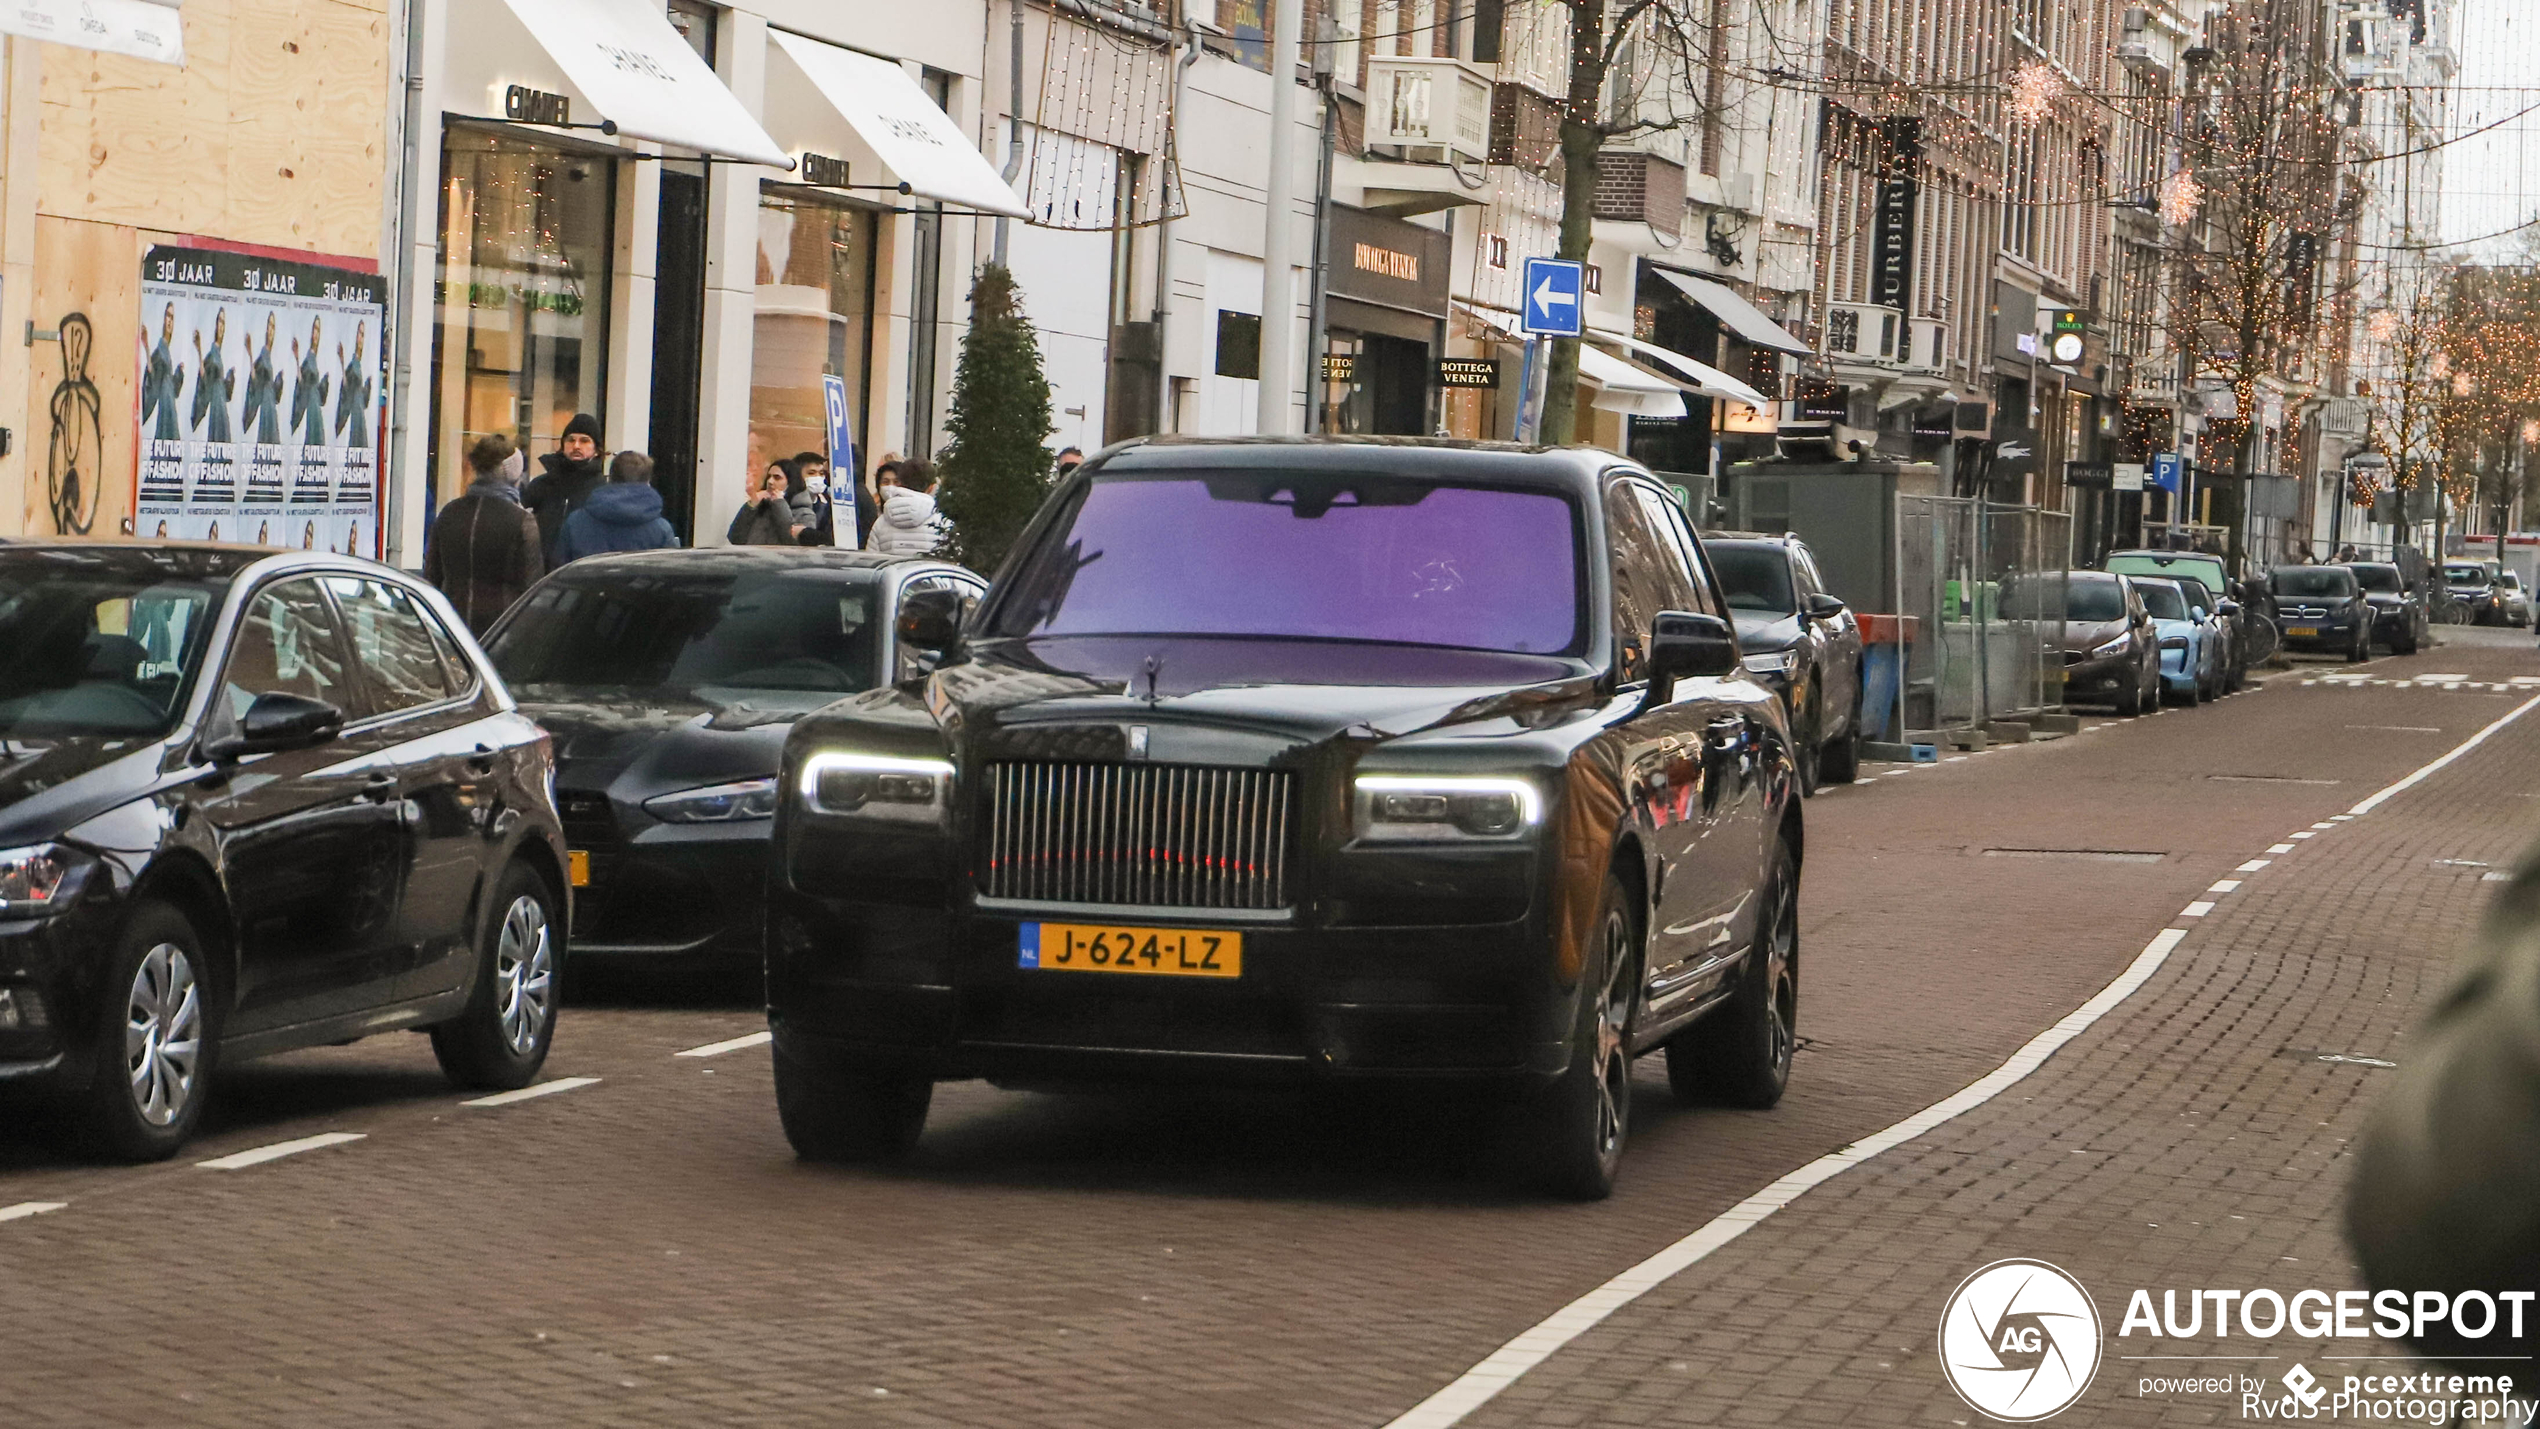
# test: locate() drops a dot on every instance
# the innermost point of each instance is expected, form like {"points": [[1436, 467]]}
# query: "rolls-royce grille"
{"points": [[1162, 835]]}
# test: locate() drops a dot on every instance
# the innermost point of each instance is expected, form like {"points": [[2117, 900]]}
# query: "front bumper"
{"points": [[2108, 675], [61, 959], [673, 892], [942, 994], [2328, 634]]}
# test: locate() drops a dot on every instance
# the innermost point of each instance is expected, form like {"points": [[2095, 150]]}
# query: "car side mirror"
{"points": [[2196, 612], [2229, 607], [930, 620], [277, 721], [1683, 644], [1822, 606]]}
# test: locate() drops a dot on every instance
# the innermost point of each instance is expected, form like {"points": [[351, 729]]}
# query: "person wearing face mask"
{"points": [[768, 518], [814, 515], [571, 473], [908, 525]]}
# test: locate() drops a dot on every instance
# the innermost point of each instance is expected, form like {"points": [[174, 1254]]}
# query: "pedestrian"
{"points": [[624, 515], [814, 513], [868, 496], [766, 518], [483, 549], [908, 525], [569, 475], [1070, 458]]}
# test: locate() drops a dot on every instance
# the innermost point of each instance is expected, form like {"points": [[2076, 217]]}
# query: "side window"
{"points": [[1805, 560], [286, 644], [1647, 577], [1693, 589], [392, 643]]}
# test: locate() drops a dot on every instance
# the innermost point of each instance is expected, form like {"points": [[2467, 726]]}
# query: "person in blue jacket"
{"points": [[624, 515]]}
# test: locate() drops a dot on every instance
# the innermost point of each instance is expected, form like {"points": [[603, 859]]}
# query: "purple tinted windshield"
{"points": [[1308, 557]]}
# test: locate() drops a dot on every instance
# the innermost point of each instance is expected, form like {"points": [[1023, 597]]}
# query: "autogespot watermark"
{"points": [[2020, 1341]]}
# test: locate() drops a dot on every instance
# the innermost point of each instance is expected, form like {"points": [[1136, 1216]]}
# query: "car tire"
{"points": [[1576, 1127], [1839, 761], [2129, 702], [2195, 694], [500, 1040], [1740, 1054], [843, 1115], [2361, 651], [145, 1097], [1811, 751]]}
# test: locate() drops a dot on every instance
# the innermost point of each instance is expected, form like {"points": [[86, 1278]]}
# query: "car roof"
{"points": [[1781, 541], [174, 560], [1417, 458], [2170, 581], [2370, 565], [738, 560]]}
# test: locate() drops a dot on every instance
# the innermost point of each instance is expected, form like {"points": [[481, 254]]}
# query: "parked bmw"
{"points": [[1302, 762], [670, 680], [1804, 644], [2398, 611], [253, 802], [2323, 608], [2190, 635]]}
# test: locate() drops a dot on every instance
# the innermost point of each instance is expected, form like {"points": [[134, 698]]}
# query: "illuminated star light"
{"points": [[2034, 90], [2181, 195]]}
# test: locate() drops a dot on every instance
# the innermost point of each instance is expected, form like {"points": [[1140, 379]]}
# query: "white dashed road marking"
{"points": [[2253, 865], [2225, 886], [2279, 848], [755, 1039], [542, 1089], [262, 1154], [24, 1209], [2197, 909]]}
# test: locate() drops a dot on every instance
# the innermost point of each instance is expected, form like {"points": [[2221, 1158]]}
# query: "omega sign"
{"points": [[1368, 258]]}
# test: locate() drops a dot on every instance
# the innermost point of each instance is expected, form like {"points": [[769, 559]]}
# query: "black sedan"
{"points": [[1804, 644], [670, 680], [2398, 609], [2322, 608], [254, 802], [1309, 763]]}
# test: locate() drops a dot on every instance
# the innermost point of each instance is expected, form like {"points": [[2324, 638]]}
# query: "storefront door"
{"points": [[679, 330]]}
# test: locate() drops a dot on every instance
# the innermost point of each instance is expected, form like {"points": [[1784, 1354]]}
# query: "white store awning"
{"points": [[1701, 377], [1742, 317], [1630, 390], [625, 59], [117, 27], [916, 141]]}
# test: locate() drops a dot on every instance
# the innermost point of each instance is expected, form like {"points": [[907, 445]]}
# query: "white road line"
{"points": [[542, 1089], [262, 1154], [1505, 1365], [2197, 909], [761, 1039], [2225, 886], [2279, 848], [24, 1209], [1476, 1386], [2253, 865], [2304, 834]]}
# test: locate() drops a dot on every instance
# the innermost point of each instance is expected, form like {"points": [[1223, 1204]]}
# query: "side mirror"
{"points": [[1682, 644], [1822, 606], [2229, 607], [277, 721], [930, 620]]}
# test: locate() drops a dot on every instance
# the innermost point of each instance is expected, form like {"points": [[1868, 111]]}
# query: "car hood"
{"points": [[2086, 636], [658, 745], [2167, 628], [1762, 630], [53, 783], [1207, 700]]}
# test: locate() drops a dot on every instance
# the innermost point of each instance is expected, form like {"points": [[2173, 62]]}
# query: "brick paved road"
{"points": [[644, 1249]]}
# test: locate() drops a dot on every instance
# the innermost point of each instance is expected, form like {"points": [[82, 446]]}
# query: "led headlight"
{"points": [[2113, 647], [716, 804], [1770, 662], [874, 786], [39, 879], [1429, 808]]}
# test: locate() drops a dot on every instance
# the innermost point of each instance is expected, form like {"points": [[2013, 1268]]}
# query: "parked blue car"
{"points": [[2191, 639]]}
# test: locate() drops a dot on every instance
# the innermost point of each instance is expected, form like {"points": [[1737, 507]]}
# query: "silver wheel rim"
{"points": [[524, 973], [1613, 1057], [162, 1037]]}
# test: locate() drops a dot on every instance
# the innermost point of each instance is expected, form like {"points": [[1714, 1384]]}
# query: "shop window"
{"points": [[1592, 278], [520, 317], [814, 321], [695, 23], [1498, 251], [1238, 344]]}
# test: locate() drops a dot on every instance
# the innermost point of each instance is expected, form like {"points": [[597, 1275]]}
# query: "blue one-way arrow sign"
{"points": [[1553, 286]]}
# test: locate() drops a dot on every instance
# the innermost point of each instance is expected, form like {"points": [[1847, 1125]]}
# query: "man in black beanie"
{"points": [[572, 472]]}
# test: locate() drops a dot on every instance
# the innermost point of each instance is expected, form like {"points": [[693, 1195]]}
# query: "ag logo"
{"points": [[2019, 1341]]}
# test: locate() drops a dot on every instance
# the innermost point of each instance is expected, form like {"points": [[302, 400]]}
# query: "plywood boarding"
{"points": [[273, 133], [81, 396]]}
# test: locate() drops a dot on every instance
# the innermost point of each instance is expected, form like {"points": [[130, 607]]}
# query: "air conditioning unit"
{"points": [[2134, 40], [1429, 108], [1862, 332], [1926, 345]]}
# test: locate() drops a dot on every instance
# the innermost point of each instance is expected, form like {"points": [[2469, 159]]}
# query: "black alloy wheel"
{"points": [[155, 1039], [842, 1115], [1740, 1054], [1578, 1124]]}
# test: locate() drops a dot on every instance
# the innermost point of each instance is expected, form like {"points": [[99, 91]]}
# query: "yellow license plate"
{"points": [[1103, 948], [577, 868], [2303, 632]]}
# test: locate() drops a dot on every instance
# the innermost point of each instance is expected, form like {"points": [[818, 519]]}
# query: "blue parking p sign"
{"points": [[1553, 290], [2165, 467], [833, 400]]}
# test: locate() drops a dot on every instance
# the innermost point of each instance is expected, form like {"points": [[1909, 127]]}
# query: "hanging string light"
{"points": [[2034, 89], [2181, 195]]}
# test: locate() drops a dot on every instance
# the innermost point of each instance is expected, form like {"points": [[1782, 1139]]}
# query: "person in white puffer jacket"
{"points": [[908, 524]]}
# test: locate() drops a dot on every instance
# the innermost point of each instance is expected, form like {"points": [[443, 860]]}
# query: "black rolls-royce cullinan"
{"points": [[1302, 761], [252, 802]]}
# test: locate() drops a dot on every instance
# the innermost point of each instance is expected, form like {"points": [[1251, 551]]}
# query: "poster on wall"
{"points": [[260, 401]]}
